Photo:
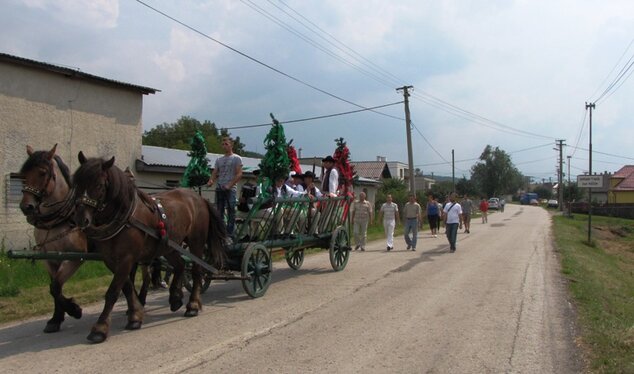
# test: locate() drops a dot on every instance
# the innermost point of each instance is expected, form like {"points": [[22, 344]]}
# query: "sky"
{"points": [[511, 74]]}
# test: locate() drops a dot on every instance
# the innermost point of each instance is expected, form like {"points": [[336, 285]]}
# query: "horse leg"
{"points": [[194, 305], [60, 273], [99, 331], [53, 324], [135, 311], [145, 273], [176, 287], [65, 271]]}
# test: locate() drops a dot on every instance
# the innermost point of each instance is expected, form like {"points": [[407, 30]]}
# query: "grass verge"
{"points": [[601, 279]]}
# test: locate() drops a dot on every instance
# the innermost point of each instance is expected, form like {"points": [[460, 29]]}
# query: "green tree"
{"points": [[197, 172], [466, 186], [572, 192], [543, 192], [441, 189], [495, 174], [395, 187], [177, 135]]}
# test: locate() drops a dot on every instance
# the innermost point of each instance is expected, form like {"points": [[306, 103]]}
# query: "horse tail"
{"points": [[216, 236]]}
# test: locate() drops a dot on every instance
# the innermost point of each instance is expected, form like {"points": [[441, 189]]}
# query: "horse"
{"points": [[48, 204], [128, 227]]}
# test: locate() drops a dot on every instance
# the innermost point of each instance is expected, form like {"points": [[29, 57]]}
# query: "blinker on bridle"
{"points": [[39, 193]]}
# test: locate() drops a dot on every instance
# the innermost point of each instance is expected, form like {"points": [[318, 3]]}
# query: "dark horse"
{"points": [[48, 204], [128, 227]]}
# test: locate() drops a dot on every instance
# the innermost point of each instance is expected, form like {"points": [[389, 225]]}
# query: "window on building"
{"points": [[172, 183], [14, 190]]}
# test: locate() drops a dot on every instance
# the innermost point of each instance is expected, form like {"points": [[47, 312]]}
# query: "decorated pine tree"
{"points": [[197, 173], [275, 163]]}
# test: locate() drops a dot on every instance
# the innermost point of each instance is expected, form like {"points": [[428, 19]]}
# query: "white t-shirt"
{"points": [[453, 212]]}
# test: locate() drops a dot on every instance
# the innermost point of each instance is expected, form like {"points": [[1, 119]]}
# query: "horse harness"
{"points": [[126, 220]]}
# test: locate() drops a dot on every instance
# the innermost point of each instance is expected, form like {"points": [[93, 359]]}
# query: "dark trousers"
{"points": [[452, 234], [226, 201]]}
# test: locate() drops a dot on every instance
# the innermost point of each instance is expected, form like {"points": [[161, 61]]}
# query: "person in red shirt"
{"points": [[484, 208]]}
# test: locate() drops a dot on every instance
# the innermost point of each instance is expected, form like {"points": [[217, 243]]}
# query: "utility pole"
{"points": [[453, 173], [590, 106], [560, 189], [408, 126]]}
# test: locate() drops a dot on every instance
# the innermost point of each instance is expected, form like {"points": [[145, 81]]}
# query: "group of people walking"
{"points": [[454, 215]]}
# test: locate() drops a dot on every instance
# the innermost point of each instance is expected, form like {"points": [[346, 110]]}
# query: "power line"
{"points": [[258, 61], [425, 97], [611, 71], [314, 118], [620, 78]]}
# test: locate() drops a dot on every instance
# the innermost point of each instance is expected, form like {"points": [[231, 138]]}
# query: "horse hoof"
{"points": [[176, 305], [191, 313], [133, 325], [52, 327], [96, 337]]}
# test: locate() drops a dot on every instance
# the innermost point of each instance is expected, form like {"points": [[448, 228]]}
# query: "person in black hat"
{"points": [[331, 177]]}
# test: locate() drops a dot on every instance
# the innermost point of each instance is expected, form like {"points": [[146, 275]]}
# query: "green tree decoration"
{"points": [[275, 163], [197, 173]]}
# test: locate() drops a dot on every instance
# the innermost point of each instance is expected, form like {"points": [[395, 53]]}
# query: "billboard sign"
{"points": [[590, 181]]}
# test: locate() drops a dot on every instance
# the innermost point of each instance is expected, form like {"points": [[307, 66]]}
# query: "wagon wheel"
{"points": [[257, 267], [294, 258], [339, 248]]}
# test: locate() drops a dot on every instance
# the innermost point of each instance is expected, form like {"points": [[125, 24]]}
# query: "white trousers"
{"points": [[389, 231]]}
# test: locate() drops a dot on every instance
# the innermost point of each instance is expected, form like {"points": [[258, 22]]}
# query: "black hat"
{"points": [[328, 159], [309, 174], [256, 172]]}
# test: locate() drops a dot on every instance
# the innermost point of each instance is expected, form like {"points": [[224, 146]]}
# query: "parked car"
{"points": [[552, 203], [494, 203], [534, 202]]}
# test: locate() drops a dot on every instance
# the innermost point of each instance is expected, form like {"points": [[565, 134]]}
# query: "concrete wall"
{"points": [[41, 108]]}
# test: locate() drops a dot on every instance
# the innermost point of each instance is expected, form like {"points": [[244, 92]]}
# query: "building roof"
{"points": [[68, 72], [375, 170], [626, 173]]}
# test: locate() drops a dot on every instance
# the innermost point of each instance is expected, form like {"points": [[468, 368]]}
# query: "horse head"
{"points": [[91, 182], [40, 173]]}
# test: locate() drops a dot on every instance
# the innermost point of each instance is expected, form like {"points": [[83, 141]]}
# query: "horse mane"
{"points": [[64, 169]]}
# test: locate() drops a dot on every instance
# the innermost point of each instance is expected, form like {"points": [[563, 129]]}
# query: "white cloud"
{"points": [[85, 13]]}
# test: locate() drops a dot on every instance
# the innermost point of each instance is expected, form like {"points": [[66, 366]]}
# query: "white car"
{"points": [[494, 203], [552, 203]]}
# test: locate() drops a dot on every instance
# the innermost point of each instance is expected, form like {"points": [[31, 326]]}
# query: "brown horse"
{"points": [[129, 228], [48, 204]]}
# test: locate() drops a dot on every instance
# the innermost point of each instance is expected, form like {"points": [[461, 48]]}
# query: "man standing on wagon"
{"points": [[227, 171], [331, 177]]}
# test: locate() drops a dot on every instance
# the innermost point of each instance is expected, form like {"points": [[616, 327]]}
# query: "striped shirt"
{"points": [[389, 210]]}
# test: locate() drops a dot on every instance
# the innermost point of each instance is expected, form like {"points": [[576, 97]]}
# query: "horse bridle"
{"points": [[40, 193], [60, 214], [98, 205]]}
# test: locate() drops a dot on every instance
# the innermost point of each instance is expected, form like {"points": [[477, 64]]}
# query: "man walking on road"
{"points": [[452, 215], [467, 208], [413, 217], [362, 214], [389, 213]]}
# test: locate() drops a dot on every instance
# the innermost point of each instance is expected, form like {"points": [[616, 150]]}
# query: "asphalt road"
{"points": [[498, 304]]}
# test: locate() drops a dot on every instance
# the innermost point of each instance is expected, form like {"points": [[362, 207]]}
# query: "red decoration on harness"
{"points": [[163, 233], [161, 225]]}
